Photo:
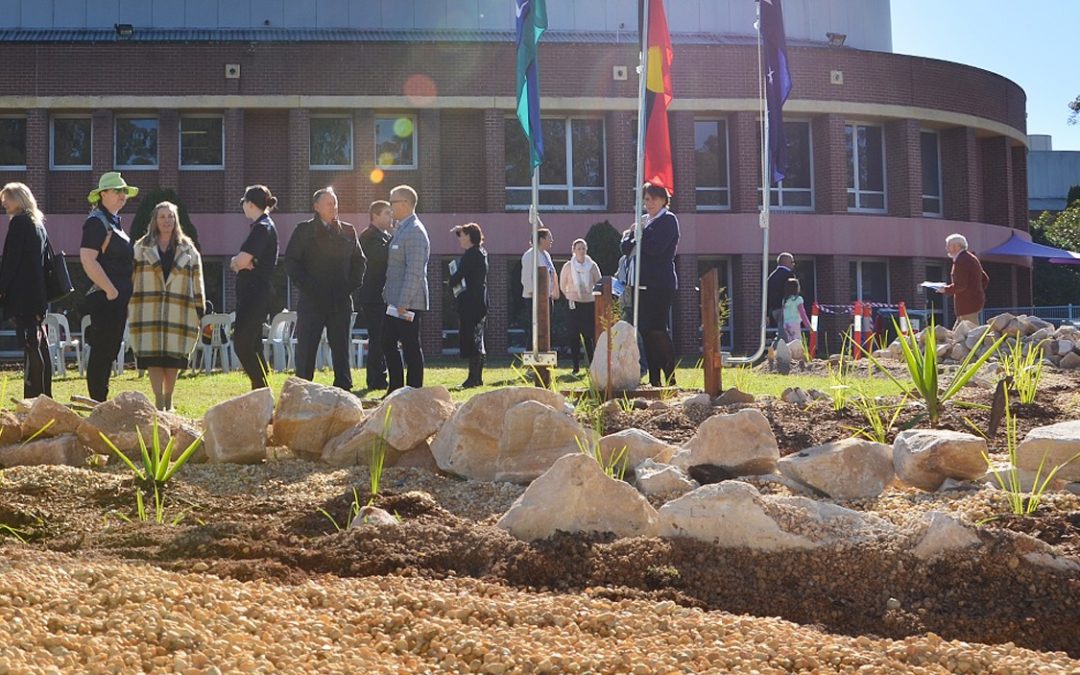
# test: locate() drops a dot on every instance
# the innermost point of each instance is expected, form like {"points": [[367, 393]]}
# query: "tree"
{"points": [[603, 240], [152, 198], [1056, 284], [1074, 194]]}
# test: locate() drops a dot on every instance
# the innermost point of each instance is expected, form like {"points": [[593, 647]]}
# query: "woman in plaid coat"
{"points": [[168, 301]]}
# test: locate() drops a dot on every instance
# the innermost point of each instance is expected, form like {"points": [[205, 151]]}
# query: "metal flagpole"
{"points": [[534, 218], [644, 74]]}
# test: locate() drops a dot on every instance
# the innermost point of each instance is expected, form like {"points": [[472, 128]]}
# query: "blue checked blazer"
{"points": [[406, 266]]}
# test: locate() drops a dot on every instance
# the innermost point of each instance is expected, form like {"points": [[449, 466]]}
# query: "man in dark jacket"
{"points": [[325, 261], [969, 280], [375, 241], [784, 270]]}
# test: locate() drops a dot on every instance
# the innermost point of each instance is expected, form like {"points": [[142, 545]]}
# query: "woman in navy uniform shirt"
{"points": [[254, 266], [108, 259]]}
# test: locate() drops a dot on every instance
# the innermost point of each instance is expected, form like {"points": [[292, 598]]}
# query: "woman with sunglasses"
{"points": [[254, 266], [108, 260]]}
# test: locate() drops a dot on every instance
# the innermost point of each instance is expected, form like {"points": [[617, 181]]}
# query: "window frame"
{"points": [[53, 166], [569, 186], [26, 152], [856, 190], [157, 149], [352, 143], [726, 189], [180, 143], [857, 290], [940, 196], [779, 190], [415, 142]]}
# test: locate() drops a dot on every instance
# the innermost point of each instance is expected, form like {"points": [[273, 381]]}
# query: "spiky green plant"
{"points": [[880, 417], [613, 465], [626, 404], [1021, 503], [840, 383], [378, 455], [1025, 367], [158, 464], [354, 511], [43, 429], [741, 377], [9, 531]]}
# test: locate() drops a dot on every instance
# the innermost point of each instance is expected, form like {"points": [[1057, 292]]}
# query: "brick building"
{"points": [[889, 153]]}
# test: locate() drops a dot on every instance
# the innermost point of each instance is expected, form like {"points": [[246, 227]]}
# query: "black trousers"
{"points": [[397, 330], [252, 308], [37, 375], [107, 321], [374, 316], [471, 335], [653, 326], [309, 328], [582, 330]]}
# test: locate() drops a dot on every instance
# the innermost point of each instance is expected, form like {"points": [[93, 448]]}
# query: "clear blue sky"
{"points": [[1031, 43]]}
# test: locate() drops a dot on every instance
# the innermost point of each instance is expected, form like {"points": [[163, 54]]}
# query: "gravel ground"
{"points": [[59, 613]]}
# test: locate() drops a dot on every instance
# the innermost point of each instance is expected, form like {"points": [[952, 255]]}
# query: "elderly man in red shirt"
{"points": [[969, 281]]}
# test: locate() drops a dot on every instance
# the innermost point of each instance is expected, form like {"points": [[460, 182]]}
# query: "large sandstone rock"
{"points": [[10, 428], [741, 444], [468, 443], [308, 415], [625, 366], [236, 429], [418, 457], [1001, 475], [853, 468], [1058, 443], [734, 514], [44, 410], [415, 415], [66, 450], [356, 446], [575, 495], [782, 357], [655, 479], [640, 446], [939, 533], [122, 419], [534, 435], [183, 432], [1070, 361], [924, 458], [734, 397]]}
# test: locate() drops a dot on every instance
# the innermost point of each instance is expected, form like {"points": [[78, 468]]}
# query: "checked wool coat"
{"points": [[164, 315]]}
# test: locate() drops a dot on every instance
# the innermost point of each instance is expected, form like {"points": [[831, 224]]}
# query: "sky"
{"points": [[1031, 43]]}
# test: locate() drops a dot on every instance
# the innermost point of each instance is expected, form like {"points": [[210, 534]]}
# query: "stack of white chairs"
{"points": [[279, 347], [218, 352], [60, 342]]}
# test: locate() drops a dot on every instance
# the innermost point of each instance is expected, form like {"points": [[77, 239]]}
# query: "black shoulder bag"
{"points": [[57, 279]]}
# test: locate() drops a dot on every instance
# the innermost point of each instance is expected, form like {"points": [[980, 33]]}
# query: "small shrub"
{"points": [[1025, 367]]}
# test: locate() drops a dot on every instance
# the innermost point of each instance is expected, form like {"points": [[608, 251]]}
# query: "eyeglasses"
{"points": [[398, 201], [120, 191]]}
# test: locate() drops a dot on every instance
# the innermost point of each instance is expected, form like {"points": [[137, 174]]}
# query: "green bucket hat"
{"points": [[111, 180]]}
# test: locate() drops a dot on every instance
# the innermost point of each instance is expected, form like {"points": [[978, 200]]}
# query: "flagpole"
{"points": [[534, 218], [640, 178]]}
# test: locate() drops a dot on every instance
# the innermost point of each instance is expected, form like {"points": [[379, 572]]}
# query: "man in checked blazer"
{"points": [[406, 291]]}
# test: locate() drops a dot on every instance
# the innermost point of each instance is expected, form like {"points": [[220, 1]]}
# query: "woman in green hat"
{"points": [[108, 259]]}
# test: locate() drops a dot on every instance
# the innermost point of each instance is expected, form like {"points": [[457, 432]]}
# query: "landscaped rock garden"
{"points": [[523, 531]]}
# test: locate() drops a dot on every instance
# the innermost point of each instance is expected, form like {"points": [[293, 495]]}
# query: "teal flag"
{"points": [[531, 24]]}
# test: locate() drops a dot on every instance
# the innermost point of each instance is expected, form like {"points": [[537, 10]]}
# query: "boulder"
{"points": [[959, 351], [415, 415], [734, 397], [1041, 335], [44, 410], [236, 428], [782, 357], [1058, 444], [65, 450], [122, 420], [10, 428], [796, 396], [939, 533], [183, 432], [1033, 324], [924, 458], [1001, 322], [354, 447], [796, 349], [741, 444], [1065, 346], [734, 514], [853, 468], [534, 435], [975, 335], [468, 443], [418, 457], [655, 479], [1069, 361], [625, 366], [308, 415], [373, 515], [575, 495], [1001, 476], [698, 403], [640, 446], [963, 329]]}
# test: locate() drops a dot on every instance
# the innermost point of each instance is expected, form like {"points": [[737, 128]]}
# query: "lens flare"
{"points": [[421, 90], [403, 127], [376, 176]]}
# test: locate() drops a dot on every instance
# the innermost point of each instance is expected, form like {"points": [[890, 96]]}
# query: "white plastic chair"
{"points": [[359, 346], [219, 349], [60, 341], [118, 365], [279, 345]]}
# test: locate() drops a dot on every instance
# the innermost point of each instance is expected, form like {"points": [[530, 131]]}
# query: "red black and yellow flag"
{"points": [[658, 169]]}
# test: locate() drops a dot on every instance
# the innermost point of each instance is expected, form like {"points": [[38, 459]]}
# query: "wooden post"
{"points": [[602, 307], [710, 358], [543, 323]]}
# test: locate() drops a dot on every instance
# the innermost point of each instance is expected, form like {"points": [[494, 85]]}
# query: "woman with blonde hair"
{"points": [[576, 279], [22, 284], [167, 302]]}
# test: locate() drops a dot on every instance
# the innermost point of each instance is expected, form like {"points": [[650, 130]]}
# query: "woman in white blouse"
{"points": [[576, 280]]}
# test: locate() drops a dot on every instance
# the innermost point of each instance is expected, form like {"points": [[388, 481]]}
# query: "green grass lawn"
{"points": [[196, 392]]}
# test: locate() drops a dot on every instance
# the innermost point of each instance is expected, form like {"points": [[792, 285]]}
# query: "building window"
{"points": [[869, 280], [136, 143], [70, 143], [395, 142], [931, 174], [796, 191], [13, 143], [331, 143], [723, 279], [865, 167], [202, 142], [573, 173], [711, 159]]}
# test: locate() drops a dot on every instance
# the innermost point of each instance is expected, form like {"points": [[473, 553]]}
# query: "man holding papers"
{"points": [[406, 291]]}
